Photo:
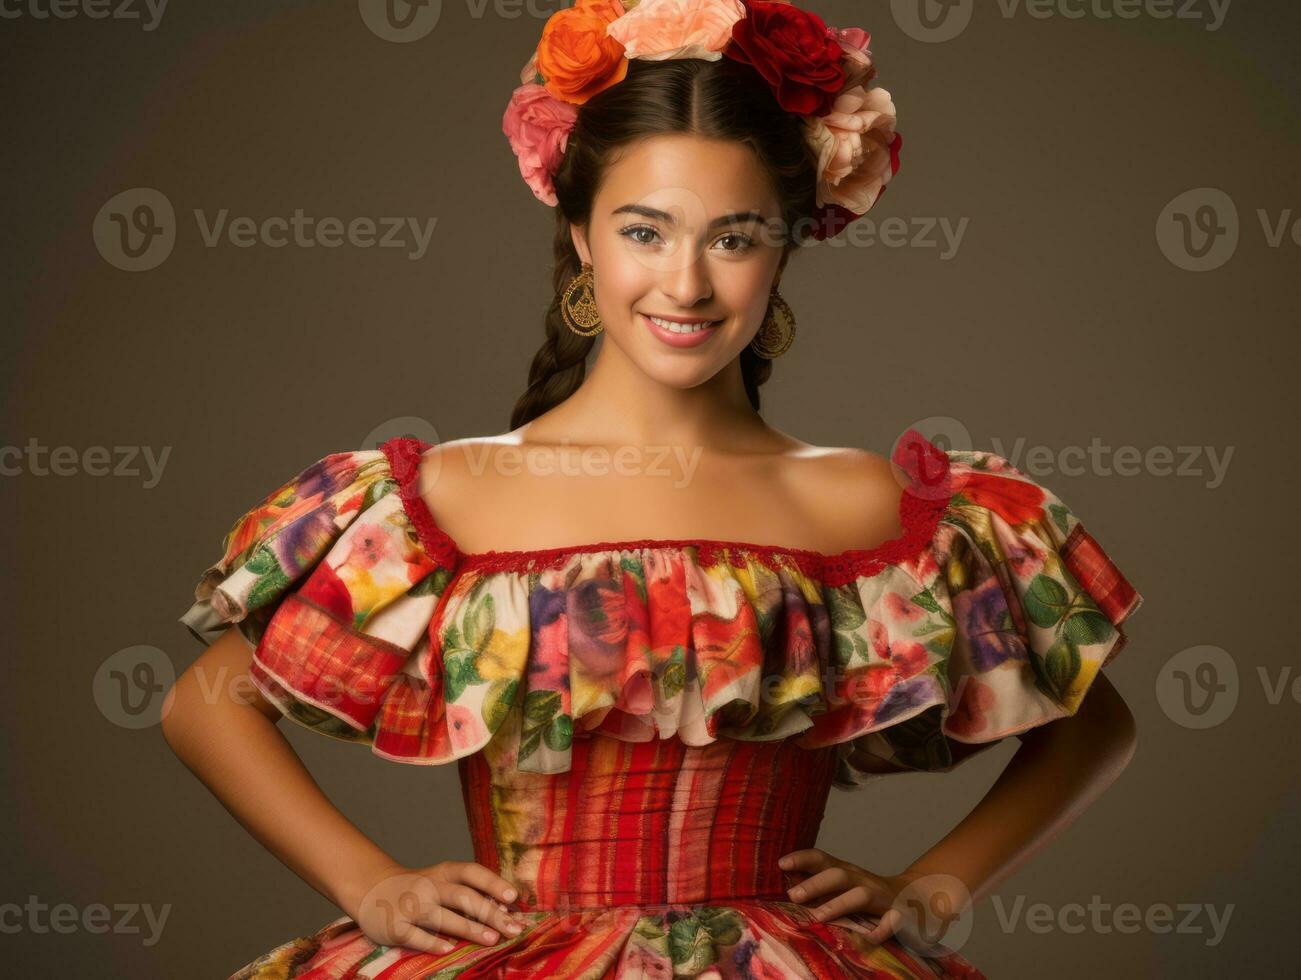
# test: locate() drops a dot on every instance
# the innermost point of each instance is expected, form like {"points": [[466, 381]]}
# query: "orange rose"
{"points": [[576, 57]]}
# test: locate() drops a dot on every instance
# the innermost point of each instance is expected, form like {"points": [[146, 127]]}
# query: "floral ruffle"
{"points": [[990, 614]]}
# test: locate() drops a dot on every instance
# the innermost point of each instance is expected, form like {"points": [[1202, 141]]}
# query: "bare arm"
{"points": [[225, 732], [1058, 771]]}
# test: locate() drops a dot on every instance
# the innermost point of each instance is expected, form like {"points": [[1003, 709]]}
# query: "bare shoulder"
{"points": [[448, 470], [474, 485], [854, 491]]}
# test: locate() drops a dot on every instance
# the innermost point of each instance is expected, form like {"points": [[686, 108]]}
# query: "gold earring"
{"points": [[778, 331], [580, 314]]}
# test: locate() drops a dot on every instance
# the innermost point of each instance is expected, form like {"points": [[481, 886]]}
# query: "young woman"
{"points": [[653, 631]]}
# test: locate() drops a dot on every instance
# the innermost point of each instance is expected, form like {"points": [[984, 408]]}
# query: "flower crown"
{"points": [[816, 71]]}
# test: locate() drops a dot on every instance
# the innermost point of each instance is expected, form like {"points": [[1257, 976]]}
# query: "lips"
{"points": [[676, 334]]}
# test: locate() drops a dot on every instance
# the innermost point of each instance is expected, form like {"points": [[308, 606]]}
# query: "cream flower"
{"points": [[657, 30], [853, 146]]}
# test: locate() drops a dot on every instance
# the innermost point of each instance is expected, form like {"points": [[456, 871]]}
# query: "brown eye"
{"points": [[743, 242], [633, 230]]}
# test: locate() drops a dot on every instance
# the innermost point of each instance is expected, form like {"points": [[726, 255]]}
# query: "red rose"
{"points": [[795, 52]]}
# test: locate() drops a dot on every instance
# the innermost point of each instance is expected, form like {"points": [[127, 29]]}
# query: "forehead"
{"points": [[689, 174]]}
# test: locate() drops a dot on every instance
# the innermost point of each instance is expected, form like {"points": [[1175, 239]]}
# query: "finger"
{"points": [[447, 922], [822, 883], [887, 927], [413, 937], [856, 899], [809, 858], [511, 923], [484, 909], [477, 876]]}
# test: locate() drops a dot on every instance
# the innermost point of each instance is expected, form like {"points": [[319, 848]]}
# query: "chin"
{"points": [[683, 372]]}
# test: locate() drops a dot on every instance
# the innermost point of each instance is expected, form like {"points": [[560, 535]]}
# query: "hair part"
{"points": [[725, 100]]}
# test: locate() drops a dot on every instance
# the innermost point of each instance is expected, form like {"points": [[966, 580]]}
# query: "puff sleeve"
{"points": [[334, 577], [1019, 609]]}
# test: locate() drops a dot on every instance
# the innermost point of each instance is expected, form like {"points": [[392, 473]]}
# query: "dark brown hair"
{"points": [[723, 99]]}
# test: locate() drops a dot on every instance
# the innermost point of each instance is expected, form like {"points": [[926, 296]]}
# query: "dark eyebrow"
{"points": [[726, 219]]}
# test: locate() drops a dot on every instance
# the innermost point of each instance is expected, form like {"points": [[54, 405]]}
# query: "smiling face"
{"points": [[683, 229]]}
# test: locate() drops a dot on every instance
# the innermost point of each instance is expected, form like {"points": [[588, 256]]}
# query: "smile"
{"points": [[694, 326], [678, 334]]}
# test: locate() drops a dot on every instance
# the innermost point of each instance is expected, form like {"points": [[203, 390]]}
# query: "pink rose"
{"points": [[857, 59], [855, 146], [538, 126], [657, 30]]}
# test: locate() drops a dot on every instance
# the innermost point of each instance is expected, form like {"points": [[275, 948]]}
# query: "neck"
{"points": [[619, 405]]}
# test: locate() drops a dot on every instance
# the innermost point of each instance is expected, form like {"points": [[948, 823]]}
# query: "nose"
{"points": [[688, 283]]}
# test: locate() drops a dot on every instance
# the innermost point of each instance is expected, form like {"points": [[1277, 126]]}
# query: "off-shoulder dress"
{"points": [[642, 728]]}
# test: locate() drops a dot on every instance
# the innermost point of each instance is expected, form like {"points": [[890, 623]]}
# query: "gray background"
{"points": [[1059, 320]]}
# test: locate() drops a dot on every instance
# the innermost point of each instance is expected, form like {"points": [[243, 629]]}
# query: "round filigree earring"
{"points": [[778, 331], [578, 304]]}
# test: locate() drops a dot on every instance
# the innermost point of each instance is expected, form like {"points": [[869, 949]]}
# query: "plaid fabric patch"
{"points": [[327, 663]]}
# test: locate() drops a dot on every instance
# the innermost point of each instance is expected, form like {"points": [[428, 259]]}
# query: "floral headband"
{"points": [[816, 71]]}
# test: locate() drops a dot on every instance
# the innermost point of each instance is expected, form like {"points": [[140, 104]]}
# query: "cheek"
{"points": [[747, 290], [622, 280]]}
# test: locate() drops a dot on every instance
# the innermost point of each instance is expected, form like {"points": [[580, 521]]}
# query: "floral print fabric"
{"points": [[991, 614], [556, 679]]}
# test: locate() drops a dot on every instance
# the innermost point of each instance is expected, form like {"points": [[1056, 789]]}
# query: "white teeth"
{"points": [[680, 327]]}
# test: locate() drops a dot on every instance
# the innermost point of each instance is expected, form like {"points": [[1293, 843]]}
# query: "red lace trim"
{"points": [[403, 455], [921, 506]]}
